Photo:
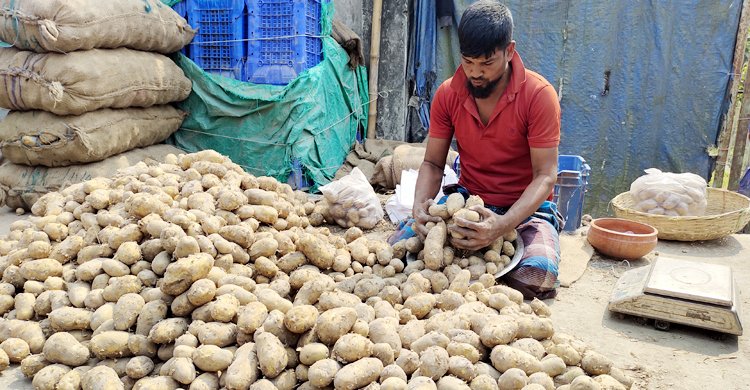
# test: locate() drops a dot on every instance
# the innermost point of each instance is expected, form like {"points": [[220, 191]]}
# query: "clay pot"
{"points": [[621, 238]]}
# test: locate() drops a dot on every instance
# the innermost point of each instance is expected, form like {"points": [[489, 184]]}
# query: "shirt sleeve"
{"points": [[544, 119], [441, 125]]}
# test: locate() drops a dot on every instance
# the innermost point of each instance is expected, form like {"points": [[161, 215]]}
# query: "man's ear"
{"points": [[510, 50]]}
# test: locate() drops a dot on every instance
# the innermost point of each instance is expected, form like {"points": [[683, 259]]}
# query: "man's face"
{"points": [[484, 73]]}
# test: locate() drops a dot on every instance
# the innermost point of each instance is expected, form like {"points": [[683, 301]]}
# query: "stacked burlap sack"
{"points": [[85, 81]]}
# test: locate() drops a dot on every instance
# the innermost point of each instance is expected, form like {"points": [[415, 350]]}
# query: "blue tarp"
{"points": [[643, 83]]}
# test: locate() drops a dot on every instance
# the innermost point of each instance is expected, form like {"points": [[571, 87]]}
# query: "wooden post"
{"points": [[727, 129], [740, 139], [372, 117]]}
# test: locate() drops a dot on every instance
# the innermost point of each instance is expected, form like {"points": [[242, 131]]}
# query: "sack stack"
{"points": [[86, 81]]}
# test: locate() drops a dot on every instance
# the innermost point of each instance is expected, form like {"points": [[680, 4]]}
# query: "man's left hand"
{"points": [[478, 235]]}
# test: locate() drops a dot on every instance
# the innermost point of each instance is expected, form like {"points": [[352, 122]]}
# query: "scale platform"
{"points": [[680, 292]]}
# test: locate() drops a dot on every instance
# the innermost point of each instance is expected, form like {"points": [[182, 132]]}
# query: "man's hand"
{"points": [[421, 217], [478, 235]]}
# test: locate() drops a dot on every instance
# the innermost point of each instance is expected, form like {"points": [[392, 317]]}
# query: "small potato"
{"points": [[358, 374], [434, 362], [504, 358], [312, 353], [352, 347], [111, 344], [63, 348], [334, 323], [300, 319], [126, 311], [212, 358], [101, 377], [271, 354], [251, 317], [16, 349], [323, 372], [49, 376], [168, 330], [513, 378]]}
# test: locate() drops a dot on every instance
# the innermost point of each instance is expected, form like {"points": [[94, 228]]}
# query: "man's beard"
{"points": [[484, 91]]}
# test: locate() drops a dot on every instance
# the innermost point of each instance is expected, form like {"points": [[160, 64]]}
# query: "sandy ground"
{"points": [[683, 358]]}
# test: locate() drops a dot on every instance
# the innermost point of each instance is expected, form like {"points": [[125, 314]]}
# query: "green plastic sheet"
{"points": [[314, 119]]}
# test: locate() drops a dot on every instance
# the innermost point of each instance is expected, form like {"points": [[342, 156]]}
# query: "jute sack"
{"points": [[83, 81], [64, 26], [21, 186], [41, 138], [405, 157]]}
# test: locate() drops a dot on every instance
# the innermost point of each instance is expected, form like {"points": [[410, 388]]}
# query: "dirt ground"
{"points": [[681, 359]]}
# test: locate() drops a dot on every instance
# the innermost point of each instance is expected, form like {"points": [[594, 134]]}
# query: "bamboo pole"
{"points": [[728, 129], [740, 140], [372, 118]]}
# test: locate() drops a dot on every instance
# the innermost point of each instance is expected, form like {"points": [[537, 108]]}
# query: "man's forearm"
{"points": [[533, 197], [428, 182]]}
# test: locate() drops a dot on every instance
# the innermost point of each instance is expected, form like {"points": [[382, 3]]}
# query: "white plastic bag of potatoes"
{"points": [[352, 201], [671, 194]]}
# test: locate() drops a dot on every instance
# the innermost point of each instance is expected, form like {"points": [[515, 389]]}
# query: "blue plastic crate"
{"points": [[219, 45], [181, 9], [283, 39], [572, 182]]}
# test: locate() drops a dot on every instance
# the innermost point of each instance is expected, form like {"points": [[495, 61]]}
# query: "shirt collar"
{"points": [[517, 78]]}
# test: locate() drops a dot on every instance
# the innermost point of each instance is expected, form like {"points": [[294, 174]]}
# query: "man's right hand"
{"points": [[421, 217]]}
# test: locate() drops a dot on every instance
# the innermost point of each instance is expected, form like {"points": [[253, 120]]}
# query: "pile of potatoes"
{"points": [[193, 274]]}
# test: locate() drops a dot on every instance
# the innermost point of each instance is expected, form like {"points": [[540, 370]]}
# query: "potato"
{"points": [[434, 362], [530, 346], [420, 304], [48, 377], [126, 311], [205, 381], [63, 348], [358, 374], [244, 368], [212, 358], [16, 349], [319, 253], [41, 269], [69, 318], [334, 323], [117, 287], [251, 317], [567, 353], [201, 292], [313, 352], [300, 319], [513, 378], [504, 357], [595, 363], [224, 308], [184, 272], [217, 333], [32, 364], [101, 378], [153, 312], [139, 345], [352, 347], [25, 305], [323, 372], [139, 367], [271, 355], [112, 344], [499, 331], [168, 330]]}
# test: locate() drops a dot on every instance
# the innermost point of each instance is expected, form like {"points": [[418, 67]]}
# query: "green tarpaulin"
{"points": [[314, 119]]}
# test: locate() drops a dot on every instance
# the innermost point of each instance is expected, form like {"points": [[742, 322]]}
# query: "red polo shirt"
{"points": [[496, 159]]}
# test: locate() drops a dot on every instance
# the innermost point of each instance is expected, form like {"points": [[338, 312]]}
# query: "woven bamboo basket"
{"points": [[727, 213]]}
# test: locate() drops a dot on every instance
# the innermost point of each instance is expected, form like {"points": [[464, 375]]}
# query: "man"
{"points": [[506, 120]]}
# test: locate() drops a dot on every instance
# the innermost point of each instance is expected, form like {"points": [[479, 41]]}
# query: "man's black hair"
{"points": [[485, 27]]}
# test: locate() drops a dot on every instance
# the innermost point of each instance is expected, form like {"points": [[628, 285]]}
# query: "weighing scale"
{"points": [[680, 292]]}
